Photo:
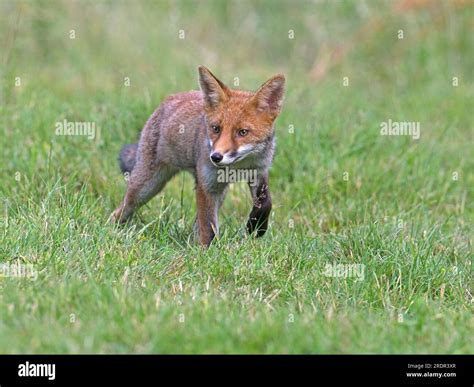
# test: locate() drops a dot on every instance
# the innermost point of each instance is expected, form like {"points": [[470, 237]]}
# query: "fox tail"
{"points": [[127, 157]]}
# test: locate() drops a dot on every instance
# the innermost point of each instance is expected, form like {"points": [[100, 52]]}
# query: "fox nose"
{"points": [[216, 157]]}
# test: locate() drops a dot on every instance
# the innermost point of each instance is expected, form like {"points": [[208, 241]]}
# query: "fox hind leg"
{"points": [[144, 183]]}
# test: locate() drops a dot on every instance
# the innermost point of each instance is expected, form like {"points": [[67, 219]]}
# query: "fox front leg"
{"points": [[207, 220], [217, 199], [262, 207]]}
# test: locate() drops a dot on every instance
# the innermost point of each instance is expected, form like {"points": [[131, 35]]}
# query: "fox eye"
{"points": [[243, 132], [216, 128]]}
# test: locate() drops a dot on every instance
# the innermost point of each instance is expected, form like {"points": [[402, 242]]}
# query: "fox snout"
{"points": [[217, 157], [220, 158]]}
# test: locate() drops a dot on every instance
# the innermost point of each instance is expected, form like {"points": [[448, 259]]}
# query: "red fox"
{"points": [[203, 132]]}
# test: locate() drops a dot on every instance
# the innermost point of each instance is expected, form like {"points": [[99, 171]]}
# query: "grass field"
{"points": [[400, 208]]}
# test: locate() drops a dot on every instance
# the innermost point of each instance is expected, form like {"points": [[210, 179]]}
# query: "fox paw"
{"points": [[117, 216], [257, 227]]}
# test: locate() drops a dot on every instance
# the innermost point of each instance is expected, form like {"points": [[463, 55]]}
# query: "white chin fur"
{"points": [[227, 160]]}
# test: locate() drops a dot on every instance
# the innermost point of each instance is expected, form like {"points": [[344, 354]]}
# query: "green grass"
{"points": [[342, 193]]}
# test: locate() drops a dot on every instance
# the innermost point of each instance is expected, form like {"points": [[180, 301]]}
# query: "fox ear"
{"points": [[269, 98], [215, 92]]}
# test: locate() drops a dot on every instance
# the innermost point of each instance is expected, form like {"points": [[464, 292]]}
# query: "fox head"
{"points": [[239, 123]]}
